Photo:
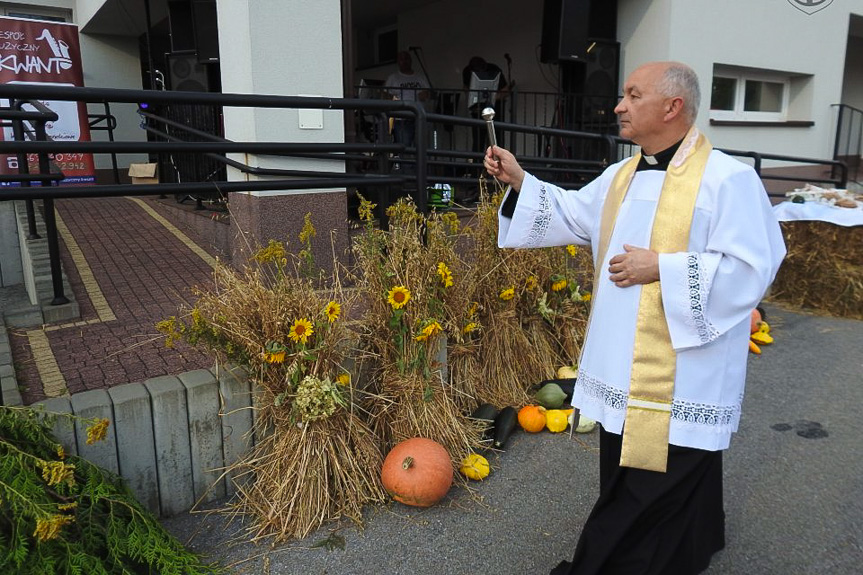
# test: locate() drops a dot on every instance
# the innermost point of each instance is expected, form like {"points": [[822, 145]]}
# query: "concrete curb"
{"points": [[169, 438], [9, 392]]}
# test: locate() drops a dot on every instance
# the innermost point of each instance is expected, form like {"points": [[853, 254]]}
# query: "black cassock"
{"points": [[649, 523]]}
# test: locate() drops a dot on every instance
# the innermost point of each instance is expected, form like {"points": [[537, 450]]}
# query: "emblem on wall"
{"points": [[810, 7]]}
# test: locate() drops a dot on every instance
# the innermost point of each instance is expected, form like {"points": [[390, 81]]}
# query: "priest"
{"points": [[685, 245]]}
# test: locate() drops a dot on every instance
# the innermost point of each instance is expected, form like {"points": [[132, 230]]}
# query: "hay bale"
{"points": [[823, 269]]}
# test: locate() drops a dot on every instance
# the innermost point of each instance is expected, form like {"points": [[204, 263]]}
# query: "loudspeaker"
{"points": [[569, 26], [206, 30], [602, 69], [186, 73], [180, 26]]}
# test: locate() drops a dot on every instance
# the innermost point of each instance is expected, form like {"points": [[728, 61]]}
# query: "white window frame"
{"points": [[38, 13], [738, 114]]}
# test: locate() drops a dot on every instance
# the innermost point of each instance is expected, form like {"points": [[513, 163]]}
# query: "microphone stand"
{"points": [[416, 52]]}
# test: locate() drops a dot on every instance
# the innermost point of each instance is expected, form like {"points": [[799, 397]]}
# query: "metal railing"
{"points": [[848, 144]]}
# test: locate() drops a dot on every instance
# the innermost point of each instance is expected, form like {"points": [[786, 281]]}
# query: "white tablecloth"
{"points": [[788, 211]]}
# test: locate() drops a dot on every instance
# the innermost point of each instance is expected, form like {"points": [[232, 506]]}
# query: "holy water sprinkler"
{"points": [[488, 116]]}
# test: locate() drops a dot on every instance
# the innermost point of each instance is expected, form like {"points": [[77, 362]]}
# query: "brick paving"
{"points": [[145, 273]]}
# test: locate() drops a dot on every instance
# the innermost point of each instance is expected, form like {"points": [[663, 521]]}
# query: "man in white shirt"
{"points": [[405, 84], [685, 245]]}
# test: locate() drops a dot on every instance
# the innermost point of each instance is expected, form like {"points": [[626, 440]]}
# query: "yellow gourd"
{"points": [[475, 467], [754, 348], [762, 338], [556, 420], [764, 327]]}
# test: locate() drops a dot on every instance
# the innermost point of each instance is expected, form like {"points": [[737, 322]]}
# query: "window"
{"points": [[746, 94], [38, 13]]}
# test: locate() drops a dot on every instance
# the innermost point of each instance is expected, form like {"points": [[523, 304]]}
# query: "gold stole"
{"points": [[648, 410]]}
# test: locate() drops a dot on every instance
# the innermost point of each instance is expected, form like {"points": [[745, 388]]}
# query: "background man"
{"points": [[685, 245], [405, 84]]}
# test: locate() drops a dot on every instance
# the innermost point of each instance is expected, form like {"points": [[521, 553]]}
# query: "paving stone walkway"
{"points": [[127, 271]]}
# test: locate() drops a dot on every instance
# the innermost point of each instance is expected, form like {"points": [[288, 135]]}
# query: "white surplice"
{"points": [[708, 293]]}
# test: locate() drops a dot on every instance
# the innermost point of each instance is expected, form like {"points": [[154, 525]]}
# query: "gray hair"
{"points": [[681, 80]]}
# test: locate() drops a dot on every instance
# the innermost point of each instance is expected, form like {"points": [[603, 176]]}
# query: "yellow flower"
{"points": [[531, 282], [301, 330], [276, 357], [47, 529], [344, 378], [333, 311], [431, 329], [585, 296], [97, 431], [366, 209], [445, 274], [57, 472], [308, 231], [473, 309], [558, 284], [571, 250], [471, 327], [274, 252], [398, 297], [507, 294]]}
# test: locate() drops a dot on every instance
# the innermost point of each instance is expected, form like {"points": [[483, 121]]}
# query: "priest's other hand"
{"points": [[634, 266], [501, 164]]}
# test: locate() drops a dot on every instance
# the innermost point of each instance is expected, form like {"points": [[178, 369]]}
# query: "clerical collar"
{"points": [[658, 161]]}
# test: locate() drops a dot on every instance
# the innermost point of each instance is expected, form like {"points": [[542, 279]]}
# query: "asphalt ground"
{"points": [[793, 487]]}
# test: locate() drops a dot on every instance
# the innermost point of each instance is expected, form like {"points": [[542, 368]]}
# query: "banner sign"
{"points": [[47, 53]]}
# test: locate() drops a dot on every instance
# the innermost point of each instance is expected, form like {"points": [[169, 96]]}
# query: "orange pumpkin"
{"points": [[417, 472], [754, 321], [532, 418]]}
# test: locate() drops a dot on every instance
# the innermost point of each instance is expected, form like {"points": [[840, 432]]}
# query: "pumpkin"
{"points": [[475, 466], [417, 472], [532, 418], [754, 320], [556, 420]]}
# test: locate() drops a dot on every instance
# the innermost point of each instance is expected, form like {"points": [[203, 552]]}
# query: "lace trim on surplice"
{"points": [[698, 288], [682, 411], [542, 220]]}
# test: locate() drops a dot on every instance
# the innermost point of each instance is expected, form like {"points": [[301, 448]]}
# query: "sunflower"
{"points": [[531, 283], [398, 297], [558, 283], [571, 250], [333, 310], [343, 379], [507, 294], [274, 357], [301, 330], [445, 274], [585, 296], [471, 327], [432, 328]]}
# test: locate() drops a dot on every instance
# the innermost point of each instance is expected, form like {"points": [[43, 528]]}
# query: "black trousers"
{"points": [[650, 523]]}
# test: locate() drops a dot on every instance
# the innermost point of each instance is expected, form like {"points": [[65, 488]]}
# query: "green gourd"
{"points": [[551, 396]]}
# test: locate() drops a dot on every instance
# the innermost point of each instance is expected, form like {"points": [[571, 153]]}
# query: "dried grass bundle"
{"points": [[413, 283], [531, 305], [314, 459], [823, 269]]}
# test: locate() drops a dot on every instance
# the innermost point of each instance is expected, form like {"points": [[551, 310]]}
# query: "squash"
{"points": [[764, 327], [532, 418], [567, 372], [475, 467], [417, 472], [556, 420], [762, 338], [754, 320], [485, 415], [754, 348], [551, 396], [585, 425], [504, 425]]}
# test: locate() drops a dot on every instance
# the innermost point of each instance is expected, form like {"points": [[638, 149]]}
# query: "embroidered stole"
{"points": [[648, 410]]}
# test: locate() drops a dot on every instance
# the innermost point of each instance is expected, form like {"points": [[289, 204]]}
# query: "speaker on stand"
{"points": [[185, 73], [602, 69]]}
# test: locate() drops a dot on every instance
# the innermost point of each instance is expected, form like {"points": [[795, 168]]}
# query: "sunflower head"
{"points": [[333, 310], [558, 283], [301, 330], [431, 329], [507, 294], [398, 297], [531, 283], [571, 250], [471, 327], [445, 274]]}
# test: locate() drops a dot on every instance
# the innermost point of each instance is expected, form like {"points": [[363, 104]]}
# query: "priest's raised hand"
{"points": [[501, 164]]}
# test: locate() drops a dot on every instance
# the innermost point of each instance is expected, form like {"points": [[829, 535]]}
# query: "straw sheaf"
{"points": [[823, 269]]}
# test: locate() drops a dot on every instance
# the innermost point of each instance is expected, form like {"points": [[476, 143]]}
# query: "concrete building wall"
{"points": [[763, 35]]}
